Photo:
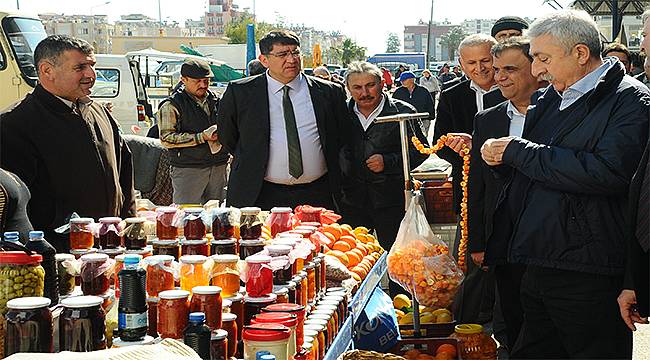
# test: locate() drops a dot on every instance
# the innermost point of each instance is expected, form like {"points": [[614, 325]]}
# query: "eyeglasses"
{"points": [[285, 54]]}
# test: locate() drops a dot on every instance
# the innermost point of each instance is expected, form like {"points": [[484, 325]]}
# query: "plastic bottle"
{"points": [[12, 236], [38, 244], [132, 313], [197, 335]]}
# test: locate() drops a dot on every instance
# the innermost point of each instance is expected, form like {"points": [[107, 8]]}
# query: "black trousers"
{"points": [[508, 281], [316, 193], [569, 314]]}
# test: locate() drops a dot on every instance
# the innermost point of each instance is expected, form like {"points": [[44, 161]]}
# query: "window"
{"points": [[107, 84], [24, 34]]}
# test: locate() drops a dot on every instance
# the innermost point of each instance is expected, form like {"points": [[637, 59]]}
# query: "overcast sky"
{"points": [[367, 21]]}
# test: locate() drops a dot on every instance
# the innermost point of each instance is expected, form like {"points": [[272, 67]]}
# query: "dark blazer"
{"points": [[244, 126]]}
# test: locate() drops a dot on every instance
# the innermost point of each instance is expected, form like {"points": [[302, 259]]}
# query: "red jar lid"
{"points": [[285, 319], [19, 258], [287, 308], [266, 332]]}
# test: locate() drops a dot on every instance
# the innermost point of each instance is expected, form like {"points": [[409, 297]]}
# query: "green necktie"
{"points": [[293, 140]]}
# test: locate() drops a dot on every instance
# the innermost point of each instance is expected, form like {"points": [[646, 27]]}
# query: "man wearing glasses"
{"points": [[284, 131]]}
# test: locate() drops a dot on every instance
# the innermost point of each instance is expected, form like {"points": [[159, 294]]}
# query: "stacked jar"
{"points": [[193, 272], [135, 237], [273, 338], [207, 299], [82, 324], [225, 274], [194, 241], [109, 233], [160, 274], [225, 223], [81, 234], [280, 253], [65, 274], [173, 313], [97, 273], [294, 309], [280, 220], [250, 224]]}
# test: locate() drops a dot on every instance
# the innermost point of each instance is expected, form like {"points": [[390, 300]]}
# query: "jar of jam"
{"points": [[224, 247], [332, 325], [135, 236], [280, 220], [207, 299], [173, 313], [295, 309], [219, 345], [81, 235], [223, 223], [166, 247], [250, 247], [250, 224], [286, 319], [254, 306], [65, 273], [284, 275], [318, 336], [282, 292], [474, 343], [304, 287], [109, 232], [273, 338], [225, 274], [317, 274], [337, 299], [308, 352], [152, 316], [195, 247], [194, 228], [82, 324], [311, 282], [299, 290], [193, 273], [28, 326], [237, 308], [96, 273], [321, 327], [331, 309], [165, 229], [323, 273], [160, 274], [229, 324], [259, 276], [312, 214]]}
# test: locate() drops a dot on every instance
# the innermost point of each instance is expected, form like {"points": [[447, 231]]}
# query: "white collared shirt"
{"points": [[479, 94], [366, 121], [586, 84], [517, 120], [313, 158]]}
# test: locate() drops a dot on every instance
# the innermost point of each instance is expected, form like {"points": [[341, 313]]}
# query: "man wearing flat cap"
{"points": [[508, 26], [188, 129], [417, 96]]}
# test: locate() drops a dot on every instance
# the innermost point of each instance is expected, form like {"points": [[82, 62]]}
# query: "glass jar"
{"points": [[280, 220], [332, 326], [332, 309], [160, 274], [81, 235], [195, 247], [173, 313], [317, 273], [318, 340], [152, 316], [295, 309], [321, 327], [166, 247], [286, 319], [144, 252], [194, 228], [337, 299], [64, 265], [225, 274], [309, 350], [135, 236], [250, 247], [207, 299], [82, 324], [219, 345], [282, 292], [474, 343], [237, 308], [96, 273], [193, 272], [323, 273], [223, 247], [311, 282], [254, 306], [28, 326], [229, 324], [165, 229], [259, 276], [250, 224], [284, 275], [304, 287], [223, 223], [109, 232], [273, 338]]}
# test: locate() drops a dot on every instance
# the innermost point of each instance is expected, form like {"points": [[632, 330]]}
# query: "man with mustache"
{"points": [[66, 147], [188, 129]]}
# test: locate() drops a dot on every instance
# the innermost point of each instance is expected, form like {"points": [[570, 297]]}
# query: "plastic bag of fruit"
{"points": [[420, 262]]}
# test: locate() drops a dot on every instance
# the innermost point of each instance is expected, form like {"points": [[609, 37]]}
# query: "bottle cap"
{"points": [[197, 317], [132, 259], [36, 234]]}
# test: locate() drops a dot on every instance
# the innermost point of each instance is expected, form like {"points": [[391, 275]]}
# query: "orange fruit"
{"points": [[353, 257], [412, 354], [360, 271], [341, 256], [358, 252], [351, 240], [447, 348], [341, 246], [356, 277], [441, 356], [361, 249], [346, 227], [334, 230]]}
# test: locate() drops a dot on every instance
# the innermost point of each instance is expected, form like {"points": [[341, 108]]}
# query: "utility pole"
{"points": [[428, 62], [160, 15], [17, 4]]}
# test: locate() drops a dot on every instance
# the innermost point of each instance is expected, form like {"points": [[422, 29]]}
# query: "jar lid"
{"points": [[303, 273], [19, 258], [288, 241], [147, 340], [278, 250], [312, 333], [251, 210], [224, 242], [281, 210], [327, 307], [289, 235], [280, 290], [160, 242], [206, 290], [184, 241], [63, 257], [27, 303], [266, 332], [335, 289], [173, 294], [316, 322], [310, 266], [225, 303], [251, 242], [144, 251], [110, 220], [166, 209], [82, 220], [321, 326], [258, 259], [93, 258], [330, 300], [135, 220], [285, 319], [317, 260], [228, 317], [288, 307], [235, 298], [153, 300], [225, 258], [193, 210], [120, 258], [291, 285], [261, 299], [82, 301], [193, 259], [320, 316], [468, 329], [113, 252], [311, 223], [219, 334], [158, 259]]}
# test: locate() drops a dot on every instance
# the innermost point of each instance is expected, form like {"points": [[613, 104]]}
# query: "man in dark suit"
{"points": [[283, 130]]}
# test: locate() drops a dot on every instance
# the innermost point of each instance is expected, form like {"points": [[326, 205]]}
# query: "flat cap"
{"points": [[509, 22], [196, 69]]}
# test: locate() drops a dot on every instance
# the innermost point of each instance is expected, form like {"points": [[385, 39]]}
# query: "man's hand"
{"points": [[626, 304], [456, 140], [375, 163], [493, 149], [210, 134], [478, 258]]}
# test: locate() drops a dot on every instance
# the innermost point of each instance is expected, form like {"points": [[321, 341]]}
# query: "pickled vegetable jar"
{"points": [[96, 272], [165, 229], [65, 273], [20, 275], [81, 235], [193, 272], [28, 326], [82, 324], [225, 274], [250, 224], [160, 274], [109, 232], [173, 313]]}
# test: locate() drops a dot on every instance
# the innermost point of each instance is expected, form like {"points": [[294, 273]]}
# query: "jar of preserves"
{"points": [[237, 308], [229, 324], [318, 340], [330, 309], [317, 273], [195, 247], [81, 234], [224, 222], [309, 350], [304, 287], [152, 316], [338, 300], [28, 326], [329, 313], [173, 313], [65, 273], [323, 273], [165, 229], [295, 309], [311, 282], [250, 247], [223, 247], [250, 224], [254, 306], [291, 286], [331, 324], [321, 327], [281, 253], [280, 220], [273, 338], [282, 292], [82, 324], [207, 299], [135, 236], [193, 272], [474, 343], [166, 247], [286, 319], [219, 345], [225, 274], [194, 227], [96, 273], [109, 232], [160, 274], [259, 276]]}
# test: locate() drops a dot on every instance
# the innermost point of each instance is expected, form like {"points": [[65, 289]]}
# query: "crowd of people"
{"points": [[558, 183]]}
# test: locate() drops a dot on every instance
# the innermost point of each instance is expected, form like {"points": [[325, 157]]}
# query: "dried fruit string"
{"points": [[462, 247]]}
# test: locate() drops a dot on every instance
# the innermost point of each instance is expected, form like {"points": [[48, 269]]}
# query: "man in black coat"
{"points": [[567, 196], [283, 130], [416, 95]]}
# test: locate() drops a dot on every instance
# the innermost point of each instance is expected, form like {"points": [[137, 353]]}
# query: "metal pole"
{"points": [[428, 62], [159, 14], [17, 4]]}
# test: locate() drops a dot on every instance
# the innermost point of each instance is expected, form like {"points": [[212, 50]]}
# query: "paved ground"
{"points": [[642, 343]]}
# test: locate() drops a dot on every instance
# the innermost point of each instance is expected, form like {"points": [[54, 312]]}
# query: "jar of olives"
{"points": [[65, 273], [20, 275]]}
